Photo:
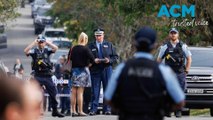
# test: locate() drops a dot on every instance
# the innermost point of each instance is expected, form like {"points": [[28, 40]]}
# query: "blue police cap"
{"points": [[173, 30], [146, 34], [41, 38], [99, 31]]}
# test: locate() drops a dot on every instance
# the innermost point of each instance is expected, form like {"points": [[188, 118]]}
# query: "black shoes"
{"points": [[62, 111], [168, 114], [82, 114], [108, 113], [68, 113], [92, 113], [74, 114], [55, 113], [178, 114]]}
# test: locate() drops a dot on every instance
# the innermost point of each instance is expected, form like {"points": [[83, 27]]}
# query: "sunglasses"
{"points": [[40, 42]]}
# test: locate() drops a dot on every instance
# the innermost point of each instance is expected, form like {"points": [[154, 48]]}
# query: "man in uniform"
{"points": [[138, 88], [101, 70], [42, 66], [175, 52]]}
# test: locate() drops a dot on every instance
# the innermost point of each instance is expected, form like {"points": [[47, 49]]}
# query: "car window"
{"points": [[63, 44], [202, 58], [40, 2], [55, 34]]}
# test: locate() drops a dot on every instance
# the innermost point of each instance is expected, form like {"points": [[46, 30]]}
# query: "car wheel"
{"points": [[211, 112], [186, 112]]}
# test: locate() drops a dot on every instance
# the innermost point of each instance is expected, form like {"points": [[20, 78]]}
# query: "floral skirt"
{"points": [[81, 77]]}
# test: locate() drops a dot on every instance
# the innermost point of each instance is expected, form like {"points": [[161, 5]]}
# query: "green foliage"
{"points": [[8, 10], [122, 18]]}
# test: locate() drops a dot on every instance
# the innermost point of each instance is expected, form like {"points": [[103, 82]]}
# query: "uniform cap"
{"points": [[147, 35], [99, 31], [41, 38], [173, 30]]}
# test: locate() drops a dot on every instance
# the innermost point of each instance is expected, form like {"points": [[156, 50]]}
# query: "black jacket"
{"points": [[108, 52]]}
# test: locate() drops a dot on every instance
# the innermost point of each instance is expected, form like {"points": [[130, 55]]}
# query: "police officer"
{"points": [[138, 87], [101, 70], [175, 52], [42, 66]]}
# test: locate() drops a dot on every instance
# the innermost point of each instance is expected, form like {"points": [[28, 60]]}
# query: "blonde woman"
{"points": [[81, 57]]}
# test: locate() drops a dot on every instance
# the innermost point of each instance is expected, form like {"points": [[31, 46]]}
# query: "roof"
{"points": [[53, 29]]}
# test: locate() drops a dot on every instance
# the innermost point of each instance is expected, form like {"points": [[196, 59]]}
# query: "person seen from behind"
{"points": [[140, 87]]}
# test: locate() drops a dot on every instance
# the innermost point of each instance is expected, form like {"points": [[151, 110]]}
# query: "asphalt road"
{"points": [[20, 33]]}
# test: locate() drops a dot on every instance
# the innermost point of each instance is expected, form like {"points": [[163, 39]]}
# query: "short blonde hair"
{"points": [[83, 38]]}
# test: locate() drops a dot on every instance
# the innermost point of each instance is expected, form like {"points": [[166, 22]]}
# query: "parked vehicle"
{"points": [[62, 44], [55, 34], [42, 20], [3, 37], [199, 91], [34, 6]]}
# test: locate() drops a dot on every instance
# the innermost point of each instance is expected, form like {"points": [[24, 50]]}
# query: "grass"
{"points": [[196, 112]]}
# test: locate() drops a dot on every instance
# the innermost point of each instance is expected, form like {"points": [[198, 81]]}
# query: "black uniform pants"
{"points": [[50, 87], [87, 99]]}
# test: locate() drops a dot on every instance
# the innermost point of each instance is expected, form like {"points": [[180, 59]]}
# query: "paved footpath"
{"points": [[47, 116]]}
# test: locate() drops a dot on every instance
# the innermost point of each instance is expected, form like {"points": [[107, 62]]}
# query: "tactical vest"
{"points": [[174, 57], [141, 89], [41, 63]]}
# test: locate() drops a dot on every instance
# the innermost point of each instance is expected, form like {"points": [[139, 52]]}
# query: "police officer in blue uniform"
{"points": [[42, 66], [101, 70], [139, 88], [175, 52]]}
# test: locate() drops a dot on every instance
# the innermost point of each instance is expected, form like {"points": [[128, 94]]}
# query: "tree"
{"points": [[8, 10], [122, 18]]}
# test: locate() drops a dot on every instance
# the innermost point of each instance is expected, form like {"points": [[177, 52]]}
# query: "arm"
{"points": [[90, 56], [188, 63], [113, 57], [173, 86], [159, 60], [188, 57], [30, 46], [54, 47], [111, 87], [161, 53]]}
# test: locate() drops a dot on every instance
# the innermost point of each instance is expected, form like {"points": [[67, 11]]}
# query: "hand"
{"points": [[48, 42], [186, 71], [106, 60], [35, 42], [97, 61]]}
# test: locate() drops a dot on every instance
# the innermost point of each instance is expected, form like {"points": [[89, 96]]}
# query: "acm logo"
{"points": [[164, 11]]}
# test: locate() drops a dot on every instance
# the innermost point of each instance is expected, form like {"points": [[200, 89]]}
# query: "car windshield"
{"points": [[63, 44], [40, 2], [42, 11], [55, 34], [202, 58]]}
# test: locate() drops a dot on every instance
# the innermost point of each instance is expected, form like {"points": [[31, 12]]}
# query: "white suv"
{"points": [[53, 34]]}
